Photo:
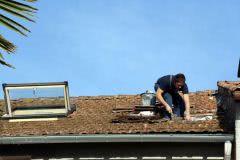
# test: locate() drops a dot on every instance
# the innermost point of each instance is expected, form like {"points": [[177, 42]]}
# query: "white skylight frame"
{"points": [[9, 87]]}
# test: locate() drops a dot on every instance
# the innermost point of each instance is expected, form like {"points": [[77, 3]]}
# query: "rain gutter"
{"points": [[114, 138]]}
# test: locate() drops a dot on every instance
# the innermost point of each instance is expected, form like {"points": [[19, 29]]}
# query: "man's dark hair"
{"points": [[180, 77]]}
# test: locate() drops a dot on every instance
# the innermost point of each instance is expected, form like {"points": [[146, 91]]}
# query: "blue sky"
{"points": [[110, 47]]}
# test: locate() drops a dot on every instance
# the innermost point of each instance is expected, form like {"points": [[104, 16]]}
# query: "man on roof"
{"points": [[172, 92]]}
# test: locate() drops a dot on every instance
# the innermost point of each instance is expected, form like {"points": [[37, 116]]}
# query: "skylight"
{"points": [[37, 100]]}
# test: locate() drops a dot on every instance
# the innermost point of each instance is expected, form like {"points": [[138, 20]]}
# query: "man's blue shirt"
{"points": [[166, 83]]}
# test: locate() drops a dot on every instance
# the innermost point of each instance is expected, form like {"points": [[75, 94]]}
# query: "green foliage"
{"points": [[21, 11]]}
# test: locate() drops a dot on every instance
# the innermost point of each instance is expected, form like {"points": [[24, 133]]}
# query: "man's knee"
{"points": [[168, 98]]}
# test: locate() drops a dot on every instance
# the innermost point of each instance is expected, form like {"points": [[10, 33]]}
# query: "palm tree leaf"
{"points": [[15, 13], [6, 48], [11, 27], [10, 21], [30, 0], [22, 5], [19, 10], [16, 7], [1, 56], [6, 45], [6, 64]]}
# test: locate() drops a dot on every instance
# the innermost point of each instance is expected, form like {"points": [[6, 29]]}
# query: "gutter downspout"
{"points": [[227, 150], [237, 133]]}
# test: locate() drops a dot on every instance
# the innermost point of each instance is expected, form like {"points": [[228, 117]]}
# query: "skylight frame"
{"points": [[9, 87]]}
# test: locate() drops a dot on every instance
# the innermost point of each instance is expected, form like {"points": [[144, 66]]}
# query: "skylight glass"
{"points": [[37, 99]]}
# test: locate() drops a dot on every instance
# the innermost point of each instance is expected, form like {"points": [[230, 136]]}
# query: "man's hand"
{"points": [[187, 117], [169, 109]]}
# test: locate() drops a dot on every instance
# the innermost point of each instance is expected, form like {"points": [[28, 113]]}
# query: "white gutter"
{"points": [[114, 138]]}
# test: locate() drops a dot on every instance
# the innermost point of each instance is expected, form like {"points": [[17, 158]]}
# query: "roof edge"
{"points": [[230, 85], [114, 138]]}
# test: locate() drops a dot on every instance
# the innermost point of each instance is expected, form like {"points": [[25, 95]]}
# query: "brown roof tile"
{"points": [[94, 115], [232, 87]]}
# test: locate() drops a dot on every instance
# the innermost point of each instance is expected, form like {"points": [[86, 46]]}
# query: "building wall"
{"points": [[227, 105]]}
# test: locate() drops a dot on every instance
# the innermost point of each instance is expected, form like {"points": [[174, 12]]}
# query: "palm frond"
{"points": [[9, 48], [17, 7], [15, 13], [6, 64], [3, 62], [10, 21], [19, 10], [20, 5], [1, 56], [6, 45], [11, 27], [30, 0]]}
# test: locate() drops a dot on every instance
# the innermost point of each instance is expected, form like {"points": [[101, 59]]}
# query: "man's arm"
{"points": [[161, 99], [187, 107]]}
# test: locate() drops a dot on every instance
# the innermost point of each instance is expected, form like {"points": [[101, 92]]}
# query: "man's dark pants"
{"points": [[175, 101]]}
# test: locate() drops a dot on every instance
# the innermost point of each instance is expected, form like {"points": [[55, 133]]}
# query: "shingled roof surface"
{"points": [[232, 87], [94, 115]]}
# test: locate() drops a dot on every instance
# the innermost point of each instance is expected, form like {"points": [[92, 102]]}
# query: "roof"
{"points": [[94, 115], [233, 88]]}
